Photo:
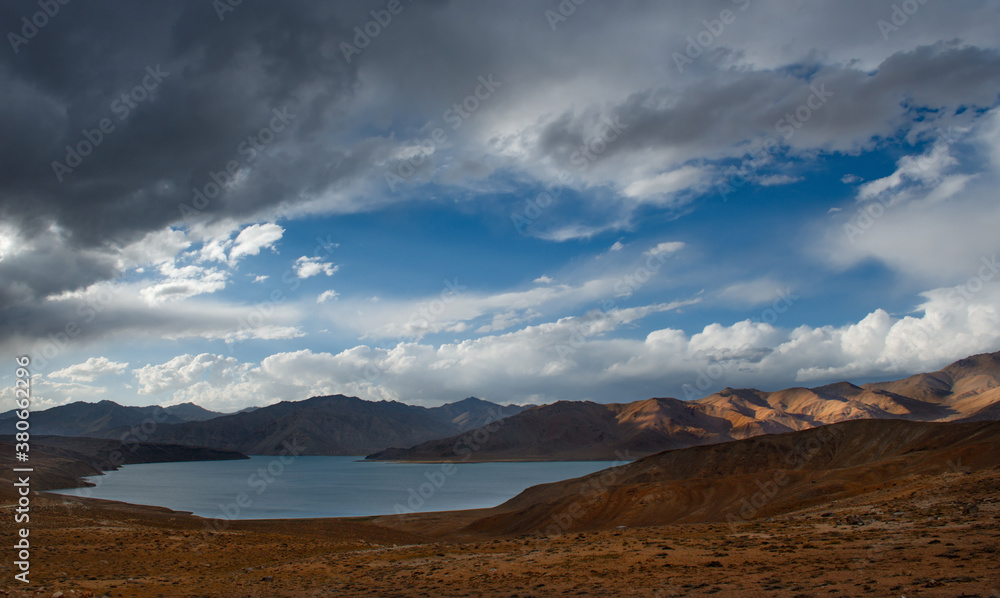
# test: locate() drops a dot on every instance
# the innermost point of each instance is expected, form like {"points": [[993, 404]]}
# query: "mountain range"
{"points": [[330, 425], [92, 419], [967, 390], [477, 430]]}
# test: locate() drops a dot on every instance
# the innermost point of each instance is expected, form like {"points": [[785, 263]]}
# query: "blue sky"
{"points": [[497, 203]]}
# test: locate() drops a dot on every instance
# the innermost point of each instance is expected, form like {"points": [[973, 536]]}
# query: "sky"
{"points": [[237, 204]]}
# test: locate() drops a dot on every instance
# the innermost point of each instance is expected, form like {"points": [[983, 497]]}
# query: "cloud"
{"points": [[544, 280], [182, 372], [90, 370], [578, 358], [254, 238], [183, 282], [946, 192], [307, 267], [326, 296], [665, 248], [778, 179], [754, 292], [665, 184]]}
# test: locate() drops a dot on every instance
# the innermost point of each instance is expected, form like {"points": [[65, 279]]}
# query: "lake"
{"points": [[265, 487]]}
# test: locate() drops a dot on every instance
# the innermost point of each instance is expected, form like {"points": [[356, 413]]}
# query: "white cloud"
{"points": [[260, 278], [183, 282], [618, 246], [754, 292], [90, 370], [579, 358], [326, 296], [155, 248], [307, 267], [665, 248], [954, 212], [214, 249], [544, 280], [778, 179], [254, 238], [926, 168], [665, 184], [183, 371]]}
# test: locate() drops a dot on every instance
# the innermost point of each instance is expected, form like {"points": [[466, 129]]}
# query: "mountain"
{"points": [[472, 413], [330, 425], [190, 412], [756, 477], [967, 390], [96, 419]]}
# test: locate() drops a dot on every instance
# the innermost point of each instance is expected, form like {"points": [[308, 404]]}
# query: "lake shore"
{"points": [[95, 547]]}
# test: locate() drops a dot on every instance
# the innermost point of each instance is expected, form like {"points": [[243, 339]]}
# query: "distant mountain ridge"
{"points": [[94, 419], [967, 390], [330, 425]]}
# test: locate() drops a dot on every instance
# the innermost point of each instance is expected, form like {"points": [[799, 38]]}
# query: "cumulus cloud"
{"points": [[578, 358], [254, 238], [182, 372], [90, 370], [307, 267], [183, 282], [947, 192], [327, 296]]}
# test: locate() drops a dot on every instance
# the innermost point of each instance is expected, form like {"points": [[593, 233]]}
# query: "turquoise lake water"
{"points": [[268, 488]]}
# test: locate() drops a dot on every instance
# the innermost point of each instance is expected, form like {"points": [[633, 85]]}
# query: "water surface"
{"points": [[282, 487]]}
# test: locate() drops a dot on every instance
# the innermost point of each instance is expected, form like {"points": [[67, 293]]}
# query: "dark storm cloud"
{"points": [[204, 84], [194, 89], [710, 117], [201, 87]]}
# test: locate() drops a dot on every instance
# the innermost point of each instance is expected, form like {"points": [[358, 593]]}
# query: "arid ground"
{"points": [[936, 535]]}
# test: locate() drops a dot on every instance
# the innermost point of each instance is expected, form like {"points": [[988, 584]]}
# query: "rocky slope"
{"points": [[745, 479], [967, 390]]}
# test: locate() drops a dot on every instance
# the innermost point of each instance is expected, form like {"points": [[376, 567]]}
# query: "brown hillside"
{"points": [[749, 478]]}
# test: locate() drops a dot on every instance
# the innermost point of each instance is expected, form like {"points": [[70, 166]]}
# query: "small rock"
{"points": [[970, 509], [57, 595], [855, 520], [267, 578]]}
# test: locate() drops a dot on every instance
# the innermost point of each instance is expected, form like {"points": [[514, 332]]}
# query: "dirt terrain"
{"points": [[918, 539], [907, 509]]}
